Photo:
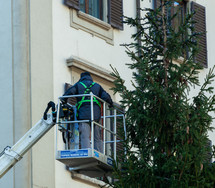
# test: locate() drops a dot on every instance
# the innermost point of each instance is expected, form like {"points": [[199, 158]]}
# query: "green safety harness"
{"points": [[87, 91]]}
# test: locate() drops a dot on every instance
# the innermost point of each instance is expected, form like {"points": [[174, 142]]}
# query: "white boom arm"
{"points": [[12, 155]]}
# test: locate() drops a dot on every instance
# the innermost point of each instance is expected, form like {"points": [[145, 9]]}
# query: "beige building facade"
{"points": [[45, 44]]}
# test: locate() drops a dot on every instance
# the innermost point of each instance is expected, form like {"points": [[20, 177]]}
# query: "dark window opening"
{"points": [[200, 26], [179, 8]]}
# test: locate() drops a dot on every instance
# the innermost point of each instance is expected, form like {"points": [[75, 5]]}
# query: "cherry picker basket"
{"points": [[88, 161]]}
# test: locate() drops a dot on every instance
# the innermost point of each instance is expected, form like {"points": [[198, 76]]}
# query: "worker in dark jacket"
{"points": [[84, 86]]}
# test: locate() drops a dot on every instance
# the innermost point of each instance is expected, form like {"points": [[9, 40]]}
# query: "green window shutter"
{"points": [[116, 13], [72, 4], [200, 26]]}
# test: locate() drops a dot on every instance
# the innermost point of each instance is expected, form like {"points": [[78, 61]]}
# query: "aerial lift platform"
{"points": [[87, 161]]}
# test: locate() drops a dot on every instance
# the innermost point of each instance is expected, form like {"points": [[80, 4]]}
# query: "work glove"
{"points": [[110, 105]]}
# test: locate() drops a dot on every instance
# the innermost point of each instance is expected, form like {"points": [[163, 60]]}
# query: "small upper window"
{"points": [[109, 11], [96, 8]]}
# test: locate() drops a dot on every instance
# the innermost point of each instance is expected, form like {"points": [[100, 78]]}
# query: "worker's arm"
{"points": [[71, 91], [105, 96]]}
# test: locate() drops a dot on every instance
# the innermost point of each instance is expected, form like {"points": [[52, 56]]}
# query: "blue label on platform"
{"points": [[96, 154], [110, 161], [76, 153]]}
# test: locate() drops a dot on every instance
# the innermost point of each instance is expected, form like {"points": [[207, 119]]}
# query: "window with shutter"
{"points": [[110, 11], [178, 7], [200, 27]]}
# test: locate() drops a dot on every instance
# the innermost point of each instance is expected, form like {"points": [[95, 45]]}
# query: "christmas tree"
{"points": [[167, 128]]}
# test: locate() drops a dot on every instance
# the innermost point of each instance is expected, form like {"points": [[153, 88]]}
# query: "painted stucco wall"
{"points": [[36, 39], [43, 158], [6, 81], [15, 86]]}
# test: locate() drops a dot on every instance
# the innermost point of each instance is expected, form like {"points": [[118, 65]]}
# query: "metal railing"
{"points": [[107, 124]]}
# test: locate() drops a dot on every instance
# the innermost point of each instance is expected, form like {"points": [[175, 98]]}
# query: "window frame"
{"points": [[183, 7], [100, 8], [114, 11], [200, 18]]}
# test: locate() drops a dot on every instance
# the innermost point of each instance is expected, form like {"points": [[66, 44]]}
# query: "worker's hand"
{"points": [[110, 105]]}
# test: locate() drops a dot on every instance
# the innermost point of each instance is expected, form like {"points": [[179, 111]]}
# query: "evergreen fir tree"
{"points": [[167, 128]]}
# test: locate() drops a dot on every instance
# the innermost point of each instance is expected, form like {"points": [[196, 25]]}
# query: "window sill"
{"points": [[92, 25], [180, 60], [93, 20], [85, 65], [89, 180]]}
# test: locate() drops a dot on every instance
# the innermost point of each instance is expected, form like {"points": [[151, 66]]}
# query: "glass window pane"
{"points": [[82, 5], [94, 8], [178, 8], [105, 10]]}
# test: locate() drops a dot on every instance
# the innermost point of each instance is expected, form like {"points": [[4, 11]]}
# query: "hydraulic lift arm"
{"points": [[11, 155]]}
